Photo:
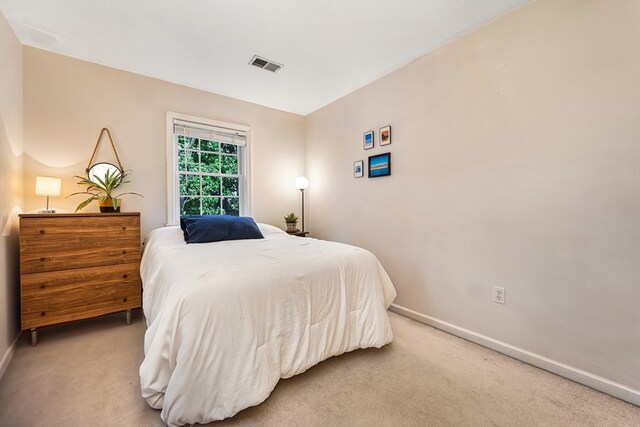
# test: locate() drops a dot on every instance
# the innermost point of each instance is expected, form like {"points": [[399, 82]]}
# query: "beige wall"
{"points": [[68, 101], [515, 163], [10, 186]]}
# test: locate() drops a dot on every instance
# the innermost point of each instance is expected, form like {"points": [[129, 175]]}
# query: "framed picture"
{"points": [[368, 140], [358, 169], [385, 135], [380, 165]]}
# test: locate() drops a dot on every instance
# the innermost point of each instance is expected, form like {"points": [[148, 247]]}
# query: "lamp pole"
{"points": [[302, 192], [302, 183]]}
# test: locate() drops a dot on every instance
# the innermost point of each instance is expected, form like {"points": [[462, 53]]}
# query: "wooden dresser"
{"points": [[76, 266]]}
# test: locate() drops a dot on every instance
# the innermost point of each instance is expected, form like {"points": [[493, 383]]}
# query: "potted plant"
{"points": [[102, 190], [292, 222]]}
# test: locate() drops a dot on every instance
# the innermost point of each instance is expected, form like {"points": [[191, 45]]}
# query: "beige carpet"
{"points": [[86, 374]]}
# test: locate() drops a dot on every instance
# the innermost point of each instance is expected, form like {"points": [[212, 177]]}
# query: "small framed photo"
{"points": [[367, 140], [385, 135], [380, 165], [358, 169]]}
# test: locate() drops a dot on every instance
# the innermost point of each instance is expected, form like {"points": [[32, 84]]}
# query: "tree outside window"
{"points": [[209, 177]]}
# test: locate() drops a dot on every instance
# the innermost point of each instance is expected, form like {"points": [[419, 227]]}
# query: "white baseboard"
{"points": [[583, 377], [8, 355]]}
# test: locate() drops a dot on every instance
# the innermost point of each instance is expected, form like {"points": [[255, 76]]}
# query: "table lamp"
{"points": [[47, 186]]}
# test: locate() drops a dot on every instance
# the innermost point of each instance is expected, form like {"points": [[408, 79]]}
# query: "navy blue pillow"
{"points": [[214, 228]]}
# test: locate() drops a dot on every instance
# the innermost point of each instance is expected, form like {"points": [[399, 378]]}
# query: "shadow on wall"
{"points": [[10, 260], [10, 201]]}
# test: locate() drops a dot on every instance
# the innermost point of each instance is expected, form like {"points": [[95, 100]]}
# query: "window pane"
{"points": [[211, 206], [189, 206], [231, 206], [189, 185], [209, 146], [229, 164], [230, 186], [229, 148], [193, 161], [187, 143], [210, 162], [181, 142], [210, 185], [182, 160]]}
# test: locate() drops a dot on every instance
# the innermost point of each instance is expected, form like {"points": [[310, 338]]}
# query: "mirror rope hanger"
{"points": [[95, 149]]}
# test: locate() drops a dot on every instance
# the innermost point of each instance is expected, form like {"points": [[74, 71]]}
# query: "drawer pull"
{"points": [[42, 313], [43, 259], [125, 276], [41, 231], [124, 299], [43, 286], [124, 228], [124, 252]]}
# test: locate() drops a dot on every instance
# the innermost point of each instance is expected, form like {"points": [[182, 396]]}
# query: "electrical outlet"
{"points": [[498, 294]]}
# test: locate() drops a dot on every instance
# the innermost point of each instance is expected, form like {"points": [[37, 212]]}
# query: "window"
{"points": [[207, 164]]}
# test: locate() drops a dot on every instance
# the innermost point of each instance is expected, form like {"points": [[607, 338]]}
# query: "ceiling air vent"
{"points": [[265, 64]]}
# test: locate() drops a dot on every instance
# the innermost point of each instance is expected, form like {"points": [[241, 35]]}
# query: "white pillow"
{"points": [[269, 230]]}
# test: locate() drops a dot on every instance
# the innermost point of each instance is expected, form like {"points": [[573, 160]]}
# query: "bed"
{"points": [[226, 320]]}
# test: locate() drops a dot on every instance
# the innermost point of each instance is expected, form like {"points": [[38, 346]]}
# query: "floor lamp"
{"points": [[302, 183]]}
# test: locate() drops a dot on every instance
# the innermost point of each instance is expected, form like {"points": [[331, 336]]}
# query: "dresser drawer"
{"points": [[61, 227], [48, 243], [39, 285], [79, 257], [55, 297]]}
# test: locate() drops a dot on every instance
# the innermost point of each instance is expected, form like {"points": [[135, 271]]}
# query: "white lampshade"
{"points": [[302, 183], [48, 186]]}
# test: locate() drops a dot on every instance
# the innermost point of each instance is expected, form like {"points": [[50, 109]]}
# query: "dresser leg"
{"points": [[34, 337], [129, 317]]}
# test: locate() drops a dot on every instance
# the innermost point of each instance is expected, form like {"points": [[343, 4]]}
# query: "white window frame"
{"points": [[173, 198]]}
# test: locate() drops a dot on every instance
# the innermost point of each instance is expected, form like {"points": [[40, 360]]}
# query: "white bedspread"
{"points": [[227, 320]]}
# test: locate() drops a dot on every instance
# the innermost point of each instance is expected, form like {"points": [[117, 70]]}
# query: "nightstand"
{"points": [[298, 233]]}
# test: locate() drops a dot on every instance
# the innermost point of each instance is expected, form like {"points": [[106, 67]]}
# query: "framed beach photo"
{"points": [[358, 169], [367, 140], [380, 165], [385, 135]]}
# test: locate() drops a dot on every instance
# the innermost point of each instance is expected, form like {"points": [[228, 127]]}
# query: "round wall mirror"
{"points": [[101, 169]]}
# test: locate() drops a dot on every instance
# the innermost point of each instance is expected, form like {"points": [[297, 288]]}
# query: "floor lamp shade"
{"points": [[48, 186], [302, 183]]}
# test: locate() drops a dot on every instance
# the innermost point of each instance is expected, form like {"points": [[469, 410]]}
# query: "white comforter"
{"points": [[227, 320]]}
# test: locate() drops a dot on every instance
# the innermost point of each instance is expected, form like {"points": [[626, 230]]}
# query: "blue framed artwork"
{"points": [[367, 140], [358, 167], [380, 165]]}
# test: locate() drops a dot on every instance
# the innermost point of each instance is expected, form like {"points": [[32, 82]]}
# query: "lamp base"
{"points": [[46, 211]]}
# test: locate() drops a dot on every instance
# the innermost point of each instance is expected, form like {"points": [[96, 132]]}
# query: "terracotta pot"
{"points": [[107, 205]]}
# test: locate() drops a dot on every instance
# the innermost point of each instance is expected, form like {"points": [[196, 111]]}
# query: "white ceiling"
{"points": [[328, 48]]}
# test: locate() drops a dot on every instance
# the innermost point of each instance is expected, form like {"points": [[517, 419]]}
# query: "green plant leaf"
{"points": [[291, 218], [85, 203], [128, 192], [81, 192]]}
